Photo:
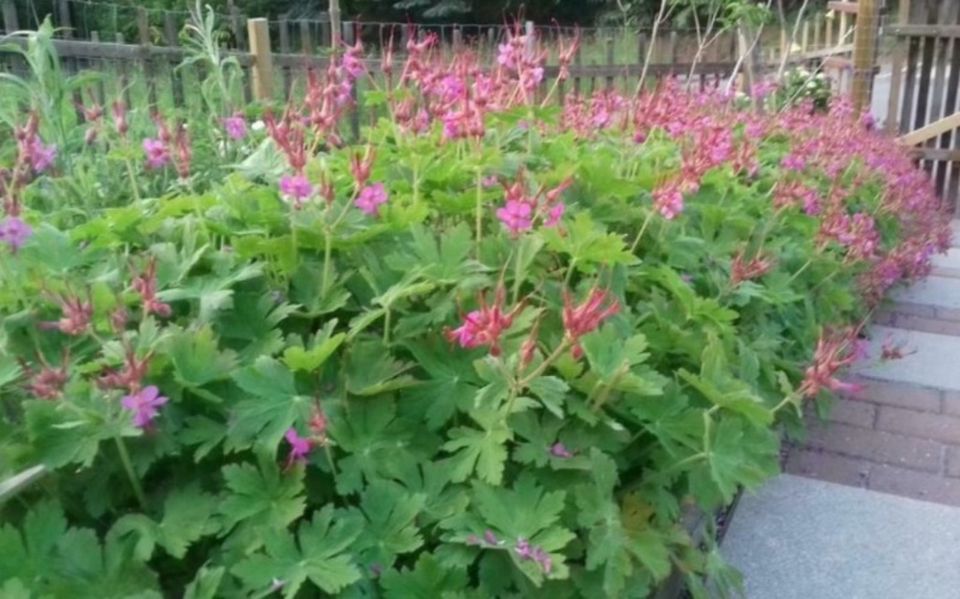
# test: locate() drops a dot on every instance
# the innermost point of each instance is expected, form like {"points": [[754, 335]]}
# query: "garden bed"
{"points": [[494, 347]]}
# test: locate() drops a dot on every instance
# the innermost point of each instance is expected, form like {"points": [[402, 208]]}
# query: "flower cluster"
{"points": [[522, 209]]}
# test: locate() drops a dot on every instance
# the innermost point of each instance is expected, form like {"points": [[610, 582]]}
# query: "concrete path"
{"points": [[800, 538], [892, 443]]}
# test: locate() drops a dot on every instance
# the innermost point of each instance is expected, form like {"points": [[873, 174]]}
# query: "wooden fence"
{"points": [[924, 102]]}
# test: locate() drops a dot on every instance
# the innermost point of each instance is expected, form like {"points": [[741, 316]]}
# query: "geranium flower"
{"points": [[585, 318], [295, 189], [299, 447], [516, 216], [235, 126], [371, 198], [14, 232], [158, 154], [145, 405]]}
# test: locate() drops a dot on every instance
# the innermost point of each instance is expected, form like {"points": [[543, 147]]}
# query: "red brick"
{"points": [[922, 323], [901, 395], [911, 309], [951, 403], [924, 425], [877, 446], [853, 411], [919, 485], [951, 314], [953, 461], [827, 466]]}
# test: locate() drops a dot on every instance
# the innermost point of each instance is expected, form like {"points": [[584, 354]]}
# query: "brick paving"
{"points": [[895, 436]]}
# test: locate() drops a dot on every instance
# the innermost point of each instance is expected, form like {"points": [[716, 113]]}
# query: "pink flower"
{"points": [[295, 189], [158, 155], [144, 405], [668, 200], [41, 156], [235, 126], [451, 88], [559, 450], [793, 162], [484, 326], [299, 447], [14, 232], [371, 198], [516, 216], [585, 318], [554, 215]]}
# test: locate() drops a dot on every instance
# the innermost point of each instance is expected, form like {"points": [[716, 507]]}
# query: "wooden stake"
{"points": [[258, 31]]}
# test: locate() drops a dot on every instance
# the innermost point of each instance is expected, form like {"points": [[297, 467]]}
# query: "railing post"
{"points": [[9, 10], [258, 32], [864, 53]]}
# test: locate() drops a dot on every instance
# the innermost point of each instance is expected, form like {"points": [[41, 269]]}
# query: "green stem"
{"points": [[522, 383], [133, 180], [327, 248], [131, 475], [517, 272], [386, 327], [800, 271], [643, 228], [479, 211]]}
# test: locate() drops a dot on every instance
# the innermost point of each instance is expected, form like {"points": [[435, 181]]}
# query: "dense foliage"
{"points": [[496, 347]]}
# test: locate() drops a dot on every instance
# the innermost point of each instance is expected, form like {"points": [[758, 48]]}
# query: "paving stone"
{"points": [[925, 425], [927, 297], [799, 538], [931, 359], [828, 466], [918, 485], [914, 397], [853, 411], [947, 265], [953, 461], [878, 446]]}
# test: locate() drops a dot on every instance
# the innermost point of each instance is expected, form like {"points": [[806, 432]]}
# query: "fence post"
{"points": [[258, 31], [9, 16], [335, 24], [864, 53], [63, 14]]}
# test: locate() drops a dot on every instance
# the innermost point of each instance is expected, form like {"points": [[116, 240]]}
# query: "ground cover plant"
{"points": [[498, 346]]}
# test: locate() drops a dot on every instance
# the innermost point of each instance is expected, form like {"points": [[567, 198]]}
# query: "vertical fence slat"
{"points": [[171, 39], [864, 52], [9, 10], [896, 75], [335, 24]]}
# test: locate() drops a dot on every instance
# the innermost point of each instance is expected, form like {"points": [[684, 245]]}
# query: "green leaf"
{"points": [[272, 410], [205, 584], [321, 553], [452, 382], [372, 370], [529, 512], [260, 500], [481, 450], [428, 578], [552, 391], [741, 456], [196, 359], [390, 530], [312, 356]]}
